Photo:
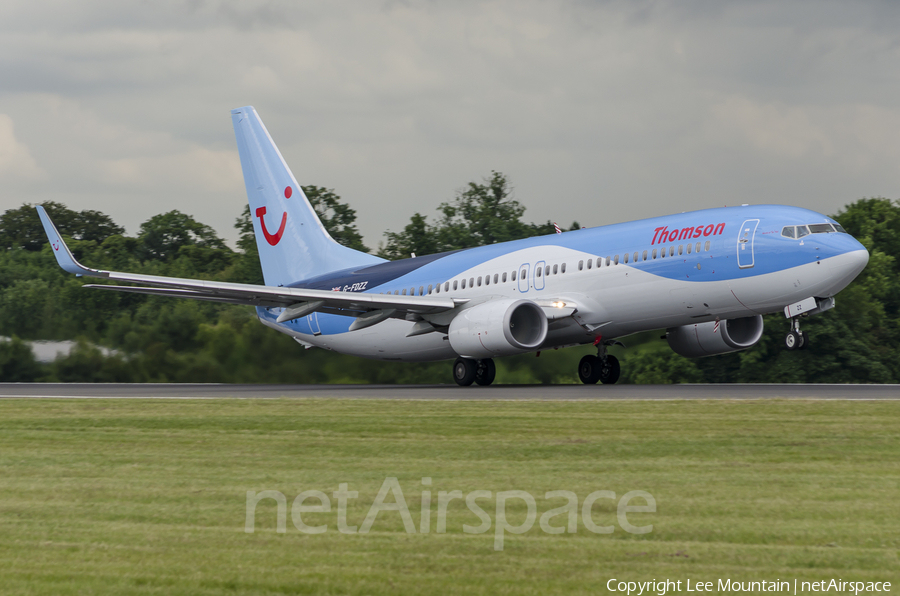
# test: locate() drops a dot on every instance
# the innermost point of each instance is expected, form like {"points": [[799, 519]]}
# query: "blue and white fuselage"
{"points": [[625, 278]]}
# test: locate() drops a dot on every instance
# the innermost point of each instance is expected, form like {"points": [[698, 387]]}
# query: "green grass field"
{"points": [[149, 497]]}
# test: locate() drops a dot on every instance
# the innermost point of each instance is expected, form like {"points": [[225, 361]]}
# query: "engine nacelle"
{"points": [[702, 339], [498, 328]]}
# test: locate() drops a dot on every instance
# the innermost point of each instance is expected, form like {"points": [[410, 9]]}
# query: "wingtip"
{"points": [[64, 256]]}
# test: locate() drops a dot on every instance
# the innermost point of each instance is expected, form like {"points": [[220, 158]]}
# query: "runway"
{"points": [[448, 392]]}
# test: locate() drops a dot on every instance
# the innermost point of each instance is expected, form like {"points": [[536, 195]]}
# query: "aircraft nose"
{"points": [[847, 266]]}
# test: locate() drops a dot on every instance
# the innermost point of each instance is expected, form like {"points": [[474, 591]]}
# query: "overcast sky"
{"points": [[597, 111]]}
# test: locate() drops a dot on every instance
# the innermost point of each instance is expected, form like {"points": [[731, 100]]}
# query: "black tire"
{"points": [[464, 371], [589, 370], [609, 370], [486, 372], [804, 340], [792, 340]]}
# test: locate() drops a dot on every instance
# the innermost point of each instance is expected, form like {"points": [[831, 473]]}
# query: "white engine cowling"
{"points": [[498, 328], [703, 339]]}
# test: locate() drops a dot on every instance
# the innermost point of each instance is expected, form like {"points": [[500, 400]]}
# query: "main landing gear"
{"points": [[603, 367], [796, 339], [467, 371]]}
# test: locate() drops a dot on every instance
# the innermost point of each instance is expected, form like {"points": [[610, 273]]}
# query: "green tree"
{"points": [[162, 236], [482, 213], [337, 217], [247, 268], [417, 237], [17, 362], [22, 228]]}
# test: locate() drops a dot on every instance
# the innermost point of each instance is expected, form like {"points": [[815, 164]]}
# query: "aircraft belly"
{"points": [[387, 341]]}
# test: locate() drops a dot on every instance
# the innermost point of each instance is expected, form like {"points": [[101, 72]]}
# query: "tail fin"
{"points": [[293, 244]]}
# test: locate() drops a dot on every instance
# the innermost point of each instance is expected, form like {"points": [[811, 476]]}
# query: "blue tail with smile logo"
{"points": [[293, 244]]}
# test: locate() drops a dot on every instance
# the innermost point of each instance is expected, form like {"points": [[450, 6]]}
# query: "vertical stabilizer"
{"points": [[293, 244]]}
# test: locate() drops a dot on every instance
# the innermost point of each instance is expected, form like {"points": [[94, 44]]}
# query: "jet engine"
{"points": [[498, 328], [704, 339]]}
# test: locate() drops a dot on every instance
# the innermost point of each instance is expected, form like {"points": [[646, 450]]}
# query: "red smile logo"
{"points": [[275, 238]]}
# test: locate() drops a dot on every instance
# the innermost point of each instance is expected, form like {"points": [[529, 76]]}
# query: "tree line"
{"points": [[158, 339]]}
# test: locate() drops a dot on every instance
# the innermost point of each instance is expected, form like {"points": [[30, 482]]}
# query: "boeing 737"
{"points": [[707, 277]]}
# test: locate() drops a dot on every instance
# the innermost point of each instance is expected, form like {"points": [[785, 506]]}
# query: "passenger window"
{"points": [[645, 255], [539, 270], [479, 281], [404, 291], [522, 275], [463, 286], [421, 290], [607, 261], [555, 269], [697, 248], [412, 291], [504, 277], [590, 263], [802, 231], [495, 277], [447, 286], [487, 280], [626, 258], [654, 253], [788, 232], [562, 268], [455, 285], [690, 248], [635, 257], [681, 249], [581, 265], [600, 261], [616, 260], [547, 270], [707, 246], [431, 288], [471, 282]]}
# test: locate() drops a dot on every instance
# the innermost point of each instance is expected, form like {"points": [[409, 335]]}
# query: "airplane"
{"points": [[706, 276]]}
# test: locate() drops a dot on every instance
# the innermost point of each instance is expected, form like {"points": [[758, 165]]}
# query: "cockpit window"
{"points": [[801, 231]]}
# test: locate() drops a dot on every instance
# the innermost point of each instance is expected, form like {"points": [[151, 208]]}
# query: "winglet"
{"points": [[61, 251]]}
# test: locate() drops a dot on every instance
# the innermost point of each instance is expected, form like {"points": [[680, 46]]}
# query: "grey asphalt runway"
{"points": [[449, 392]]}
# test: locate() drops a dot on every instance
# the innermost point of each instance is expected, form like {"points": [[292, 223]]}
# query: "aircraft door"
{"points": [[523, 278], [745, 243], [539, 275], [313, 321]]}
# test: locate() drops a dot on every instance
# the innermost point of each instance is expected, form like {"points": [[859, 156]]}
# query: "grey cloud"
{"points": [[600, 111]]}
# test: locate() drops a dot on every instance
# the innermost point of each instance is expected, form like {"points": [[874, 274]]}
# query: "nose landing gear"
{"points": [[796, 339]]}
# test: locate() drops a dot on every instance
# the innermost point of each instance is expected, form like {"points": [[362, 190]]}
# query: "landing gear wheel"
{"points": [[486, 372], [793, 340], [609, 370], [804, 340], [464, 371], [589, 369]]}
